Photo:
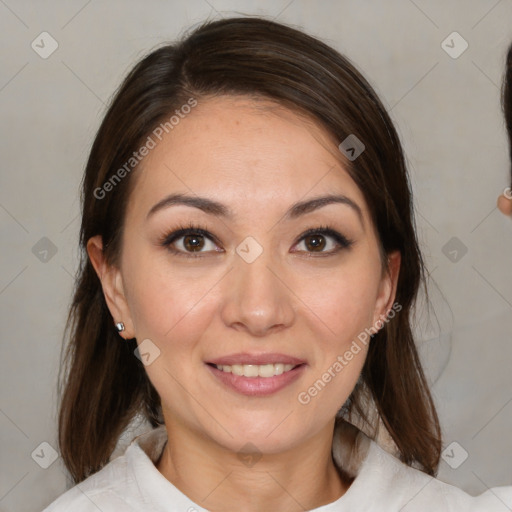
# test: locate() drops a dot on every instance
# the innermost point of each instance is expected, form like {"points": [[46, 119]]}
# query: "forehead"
{"points": [[245, 152]]}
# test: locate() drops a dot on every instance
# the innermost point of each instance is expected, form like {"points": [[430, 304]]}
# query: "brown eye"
{"points": [[323, 241], [193, 243], [315, 243], [190, 242]]}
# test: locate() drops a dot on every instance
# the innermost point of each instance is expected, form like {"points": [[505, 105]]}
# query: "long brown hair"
{"points": [[102, 384], [507, 103]]}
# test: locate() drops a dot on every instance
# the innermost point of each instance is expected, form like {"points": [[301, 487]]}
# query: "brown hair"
{"points": [[102, 384], [507, 103]]}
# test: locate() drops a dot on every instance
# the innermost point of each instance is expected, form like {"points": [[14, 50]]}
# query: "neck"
{"points": [[221, 480]]}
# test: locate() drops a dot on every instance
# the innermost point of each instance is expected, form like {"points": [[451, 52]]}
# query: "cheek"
{"points": [[167, 302], [343, 300]]}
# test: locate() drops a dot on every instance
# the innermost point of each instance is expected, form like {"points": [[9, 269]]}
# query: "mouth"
{"points": [[256, 370], [256, 375]]}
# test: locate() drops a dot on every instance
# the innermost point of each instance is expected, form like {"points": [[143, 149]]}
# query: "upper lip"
{"points": [[256, 359]]}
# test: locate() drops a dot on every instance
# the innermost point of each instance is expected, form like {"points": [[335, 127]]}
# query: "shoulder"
{"points": [[104, 490], [126, 484], [383, 482], [408, 489]]}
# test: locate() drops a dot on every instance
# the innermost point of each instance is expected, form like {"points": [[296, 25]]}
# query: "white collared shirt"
{"points": [[132, 483]]}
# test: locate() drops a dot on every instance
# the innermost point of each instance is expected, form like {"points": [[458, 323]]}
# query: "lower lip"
{"points": [[257, 386]]}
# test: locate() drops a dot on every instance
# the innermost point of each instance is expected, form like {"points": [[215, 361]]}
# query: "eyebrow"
{"points": [[217, 209]]}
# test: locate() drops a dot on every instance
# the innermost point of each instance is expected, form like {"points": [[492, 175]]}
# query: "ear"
{"points": [[112, 285], [505, 202], [387, 288]]}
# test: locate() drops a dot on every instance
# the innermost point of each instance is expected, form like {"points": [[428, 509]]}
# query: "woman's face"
{"points": [[250, 289]]}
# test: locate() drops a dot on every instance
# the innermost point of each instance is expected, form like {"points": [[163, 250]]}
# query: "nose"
{"points": [[256, 300]]}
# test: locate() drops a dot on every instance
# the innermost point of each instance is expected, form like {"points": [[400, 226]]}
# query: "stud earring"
{"points": [[120, 326]]}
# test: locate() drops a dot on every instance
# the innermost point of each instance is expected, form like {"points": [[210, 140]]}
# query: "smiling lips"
{"points": [[257, 375]]}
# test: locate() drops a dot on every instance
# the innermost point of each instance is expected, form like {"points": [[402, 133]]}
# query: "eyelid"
{"points": [[168, 239], [183, 231], [341, 240]]}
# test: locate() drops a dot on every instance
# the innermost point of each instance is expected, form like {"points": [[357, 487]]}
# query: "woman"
{"points": [[247, 228], [505, 199]]}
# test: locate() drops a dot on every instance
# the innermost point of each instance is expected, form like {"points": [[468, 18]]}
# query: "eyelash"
{"points": [[168, 239]]}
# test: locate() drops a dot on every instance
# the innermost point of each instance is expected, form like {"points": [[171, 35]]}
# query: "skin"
{"points": [[504, 202], [257, 159]]}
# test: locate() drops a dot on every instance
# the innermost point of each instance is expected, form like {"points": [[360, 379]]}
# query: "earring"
{"points": [[120, 326]]}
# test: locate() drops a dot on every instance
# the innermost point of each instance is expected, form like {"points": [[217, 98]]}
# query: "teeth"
{"points": [[255, 370]]}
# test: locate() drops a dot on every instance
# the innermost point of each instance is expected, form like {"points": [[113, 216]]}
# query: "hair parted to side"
{"points": [[102, 385], [507, 103]]}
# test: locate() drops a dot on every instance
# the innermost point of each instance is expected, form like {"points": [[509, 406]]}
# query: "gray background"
{"points": [[448, 115]]}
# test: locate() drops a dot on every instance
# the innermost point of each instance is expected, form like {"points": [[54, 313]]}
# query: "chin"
{"points": [[267, 435]]}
